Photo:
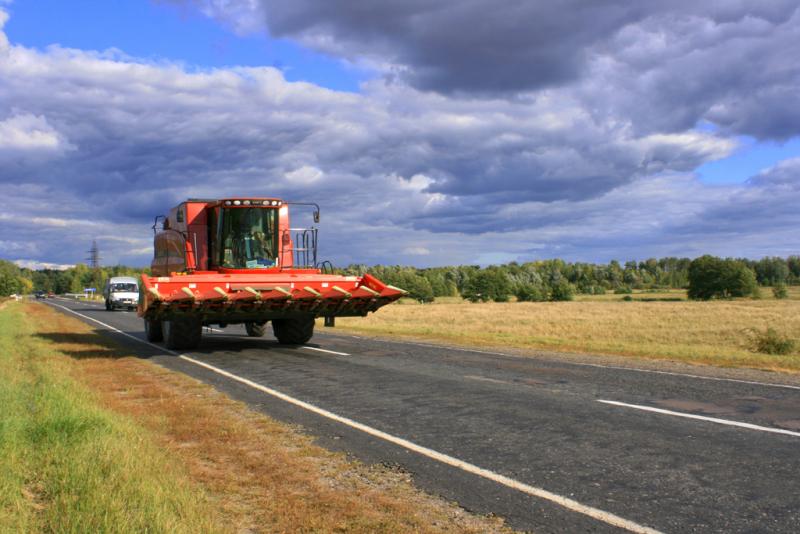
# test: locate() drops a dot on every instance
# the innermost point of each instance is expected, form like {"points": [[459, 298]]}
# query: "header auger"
{"points": [[237, 260]]}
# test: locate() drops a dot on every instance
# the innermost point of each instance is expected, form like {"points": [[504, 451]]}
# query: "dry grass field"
{"points": [[715, 332]]}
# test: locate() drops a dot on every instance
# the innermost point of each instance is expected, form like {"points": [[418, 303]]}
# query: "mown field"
{"points": [[93, 440], [652, 325]]}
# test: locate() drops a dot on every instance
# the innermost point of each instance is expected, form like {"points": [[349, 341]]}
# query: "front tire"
{"points": [[255, 329], [183, 333], [153, 331], [293, 331]]}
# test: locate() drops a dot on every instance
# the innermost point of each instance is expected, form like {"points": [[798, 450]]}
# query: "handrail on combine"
{"points": [[303, 247]]}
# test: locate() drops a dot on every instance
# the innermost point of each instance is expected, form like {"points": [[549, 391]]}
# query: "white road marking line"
{"points": [[585, 364], [487, 379], [325, 350], [565, 502], [703, 418]]}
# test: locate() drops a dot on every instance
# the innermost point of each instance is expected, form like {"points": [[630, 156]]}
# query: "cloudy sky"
{"points": [[432, 132]]}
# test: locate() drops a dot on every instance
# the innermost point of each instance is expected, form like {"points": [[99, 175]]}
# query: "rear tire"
{"points": [[255, 329], [293, 331], [153, 331], [183, 333]]}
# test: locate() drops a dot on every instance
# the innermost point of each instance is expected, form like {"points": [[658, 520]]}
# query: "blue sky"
{"points": [[603, 131], [748, 160]]}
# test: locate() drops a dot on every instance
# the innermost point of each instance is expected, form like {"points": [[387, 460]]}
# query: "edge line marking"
{"points": [[565, 502], [728, 422]]}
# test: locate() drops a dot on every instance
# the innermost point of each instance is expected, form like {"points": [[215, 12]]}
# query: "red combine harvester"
{"points": [[237, 260]]}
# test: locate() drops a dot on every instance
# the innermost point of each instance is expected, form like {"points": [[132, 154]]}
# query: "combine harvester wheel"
{"points": [[153, 331], [293, 331], [256, 329], [182, 333]]}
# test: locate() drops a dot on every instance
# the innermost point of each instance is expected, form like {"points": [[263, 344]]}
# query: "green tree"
{"points": [[561, 290], [418, 287], [529, 293], [491, 283], [10, 282], [712, 277]]}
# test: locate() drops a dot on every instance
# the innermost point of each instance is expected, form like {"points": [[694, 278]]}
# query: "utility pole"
{"points": [[94, 262], [94, 256]]}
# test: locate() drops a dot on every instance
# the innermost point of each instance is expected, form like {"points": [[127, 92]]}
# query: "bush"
{"points": [[561, 290], [771, 342], [529, 293], [712, 277], [418, 287], [623, 290], [488, 284], [780, 292], [627, 298]]}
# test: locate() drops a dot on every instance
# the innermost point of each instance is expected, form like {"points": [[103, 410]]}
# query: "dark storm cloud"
{"points": [[666, 74], [662, 66], [482, 45], [473, 46]]}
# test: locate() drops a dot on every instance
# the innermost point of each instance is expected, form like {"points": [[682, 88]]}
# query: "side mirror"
{"points": [[314, 204]]}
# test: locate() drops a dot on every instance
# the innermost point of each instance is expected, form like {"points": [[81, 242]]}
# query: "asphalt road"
{"points": [[548, 444]]}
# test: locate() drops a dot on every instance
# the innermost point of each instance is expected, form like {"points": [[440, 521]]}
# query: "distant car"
{"points": [[51, 295], [40, 294]]}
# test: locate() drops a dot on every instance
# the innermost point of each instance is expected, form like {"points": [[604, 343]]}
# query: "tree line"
{"points": [[542, 280], [555, 279], [17, 280]]}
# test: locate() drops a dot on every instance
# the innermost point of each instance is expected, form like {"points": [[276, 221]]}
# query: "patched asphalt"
{"points": [[534, 419]]}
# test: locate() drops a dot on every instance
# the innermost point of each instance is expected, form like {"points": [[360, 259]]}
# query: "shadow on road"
{"points": [[101, 344], [86, 345]]}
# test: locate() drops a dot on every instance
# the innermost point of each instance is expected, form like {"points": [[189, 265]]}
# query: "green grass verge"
{"points": [[66, 465]]}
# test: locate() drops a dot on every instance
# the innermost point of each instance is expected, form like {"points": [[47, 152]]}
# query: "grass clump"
{"points": [[770, 341]]}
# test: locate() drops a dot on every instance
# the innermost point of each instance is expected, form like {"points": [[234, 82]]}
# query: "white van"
{"points": [[121, 292]]}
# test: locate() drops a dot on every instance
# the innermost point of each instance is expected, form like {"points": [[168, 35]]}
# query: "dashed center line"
{"points": [[325, 350], [487, 379], [717, 420]]}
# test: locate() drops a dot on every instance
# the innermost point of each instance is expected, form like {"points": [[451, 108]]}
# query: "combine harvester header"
{"points": [[237, 260]]}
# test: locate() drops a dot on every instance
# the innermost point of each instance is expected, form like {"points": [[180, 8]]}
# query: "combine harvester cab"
{"points": [[237, 260]]}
